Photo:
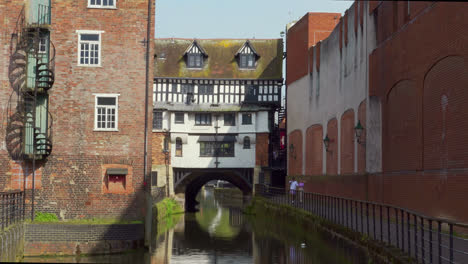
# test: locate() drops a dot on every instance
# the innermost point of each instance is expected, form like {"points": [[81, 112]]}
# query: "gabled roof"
{"points": [[198, 46], [222, 62], [249, 46]]}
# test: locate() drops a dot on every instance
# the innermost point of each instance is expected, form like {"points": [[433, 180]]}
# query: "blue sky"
{"points": [[234, 18]]}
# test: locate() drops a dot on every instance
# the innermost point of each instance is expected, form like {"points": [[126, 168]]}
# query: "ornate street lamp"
{"points": [[291, 150], [326, 142], [358, 130]]}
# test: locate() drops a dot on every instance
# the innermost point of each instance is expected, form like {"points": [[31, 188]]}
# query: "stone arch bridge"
{"points": [[190, 181]]}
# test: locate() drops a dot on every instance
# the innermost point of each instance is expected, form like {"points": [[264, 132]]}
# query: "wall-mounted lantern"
{"points": [[291, 150], [358, 130], [326, 142]]}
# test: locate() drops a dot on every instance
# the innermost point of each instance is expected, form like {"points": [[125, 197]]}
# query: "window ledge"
{"points": [[102, 7], [105, 130], [89, 66], [159, 130]]}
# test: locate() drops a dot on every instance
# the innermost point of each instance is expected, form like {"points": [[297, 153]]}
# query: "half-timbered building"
{"points": [[216, 104]]}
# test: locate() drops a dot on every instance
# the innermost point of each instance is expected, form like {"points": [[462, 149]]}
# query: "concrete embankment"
{"points": [[303, 221]]}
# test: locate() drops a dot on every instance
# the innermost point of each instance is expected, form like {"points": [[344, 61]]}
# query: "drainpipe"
{"points": [[148, 35], [147, 189], [286, 102]]}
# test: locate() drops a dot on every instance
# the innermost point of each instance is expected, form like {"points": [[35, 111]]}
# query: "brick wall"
{"points": [[361, 148], [157, 141], [402, 128], [424, 113], [261, 149], [332, 153], [347, 142], [314, 150], [309, 30], [295, 153], [71, 179], [445, 108], [71, 239]]}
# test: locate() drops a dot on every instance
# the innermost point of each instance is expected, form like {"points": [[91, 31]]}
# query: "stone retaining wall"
{"points": [[11, 243], [73, 239]]}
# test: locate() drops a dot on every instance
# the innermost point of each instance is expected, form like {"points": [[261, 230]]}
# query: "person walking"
{"points": [[292, 188]]}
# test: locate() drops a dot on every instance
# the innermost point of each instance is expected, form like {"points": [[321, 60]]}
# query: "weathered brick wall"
{"points": [[71, 182], [71, 239], [295, 153], [309, 30], [157, 141], [261, 149], [402, 129], [445, 108], [9, 13], [332, 153], [347, 142], [314, 150], [82, 233]]}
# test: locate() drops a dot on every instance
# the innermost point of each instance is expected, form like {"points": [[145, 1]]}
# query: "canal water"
{"points": [[220, 233]]}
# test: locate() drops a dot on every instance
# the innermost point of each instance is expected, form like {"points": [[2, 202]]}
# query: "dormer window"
{"points": [[194, 61], [247, 56], [195, 56], [247, 61]]}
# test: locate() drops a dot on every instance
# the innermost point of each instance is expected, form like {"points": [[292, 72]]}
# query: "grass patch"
{"points": [[167, 207], [45, 218]]}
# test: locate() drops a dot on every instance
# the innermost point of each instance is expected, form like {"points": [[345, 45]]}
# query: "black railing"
{"points": [[11, 208], [425, 239]]}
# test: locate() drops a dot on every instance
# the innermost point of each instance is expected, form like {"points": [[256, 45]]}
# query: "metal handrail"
{"points": [[11, 208], [410, 231]]}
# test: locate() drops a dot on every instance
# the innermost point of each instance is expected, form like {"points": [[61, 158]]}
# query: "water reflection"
{"points": [[220, 233]]}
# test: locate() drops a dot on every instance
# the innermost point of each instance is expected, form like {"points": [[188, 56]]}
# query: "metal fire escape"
{"points": [[31, 74]]}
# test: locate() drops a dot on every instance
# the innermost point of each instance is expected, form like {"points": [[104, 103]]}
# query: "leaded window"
{"points": [[203, 119], [179, 118], [246, 119], [246, 143], [229, 119], [216, 149], [157, 120], [178, 151], [205, 89], [194, 60], [247, 61]]}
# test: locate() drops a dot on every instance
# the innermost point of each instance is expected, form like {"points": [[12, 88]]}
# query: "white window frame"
{"points": [[116, 107], [102, 6], [95, 32]]}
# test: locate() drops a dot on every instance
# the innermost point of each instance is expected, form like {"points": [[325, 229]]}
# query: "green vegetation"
{"points": [[41, 217], [167, 207], [45, 218], [166, 214]]}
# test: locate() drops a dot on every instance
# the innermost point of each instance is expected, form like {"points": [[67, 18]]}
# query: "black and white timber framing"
{"points": [[217, 91]]}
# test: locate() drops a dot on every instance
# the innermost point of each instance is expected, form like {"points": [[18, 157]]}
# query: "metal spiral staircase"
{"points": [[31, 75]]}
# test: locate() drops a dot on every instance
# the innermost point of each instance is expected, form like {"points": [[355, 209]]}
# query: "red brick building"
{"points": [[91, 161], [399, 69]]}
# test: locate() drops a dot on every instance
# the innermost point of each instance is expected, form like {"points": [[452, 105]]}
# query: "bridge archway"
{"points": [[190, 181]]}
